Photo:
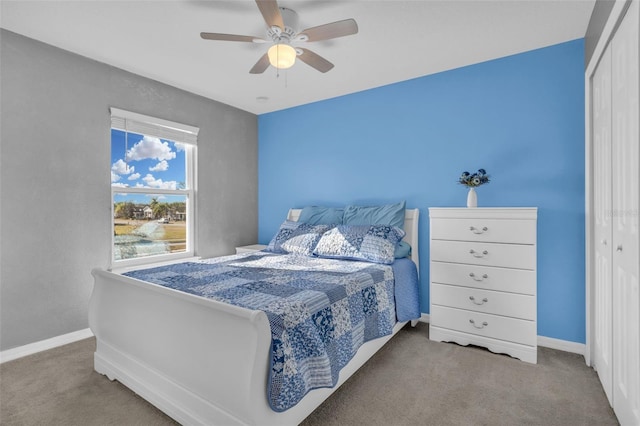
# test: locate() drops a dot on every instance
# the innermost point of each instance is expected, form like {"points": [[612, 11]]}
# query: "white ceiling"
{"points": [[397, 40]]}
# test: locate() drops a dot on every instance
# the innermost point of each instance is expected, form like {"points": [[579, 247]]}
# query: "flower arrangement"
{"points": [[473, 180]]}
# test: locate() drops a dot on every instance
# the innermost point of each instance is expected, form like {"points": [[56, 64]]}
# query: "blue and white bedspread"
{"points": [[320, 310]]}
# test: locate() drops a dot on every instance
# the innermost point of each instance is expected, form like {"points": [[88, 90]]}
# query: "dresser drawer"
{"points": [[494, 326], [486, 230], [488, 254], [484, 277], [490, 302]]}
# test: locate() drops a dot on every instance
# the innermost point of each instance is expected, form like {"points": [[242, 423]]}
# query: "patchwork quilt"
{"points": [[320, 310]]}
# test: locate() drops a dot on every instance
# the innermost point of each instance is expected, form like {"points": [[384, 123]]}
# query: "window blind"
{"points": [[152, 126]]}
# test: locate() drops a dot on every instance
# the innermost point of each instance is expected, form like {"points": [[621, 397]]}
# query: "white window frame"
{"points": [[176, 132]]}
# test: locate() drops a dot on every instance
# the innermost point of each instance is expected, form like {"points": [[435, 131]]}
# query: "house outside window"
{"points": [[152, 189]]}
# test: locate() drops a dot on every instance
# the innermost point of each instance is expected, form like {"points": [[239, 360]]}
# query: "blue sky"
{"points": [[146, 162]]}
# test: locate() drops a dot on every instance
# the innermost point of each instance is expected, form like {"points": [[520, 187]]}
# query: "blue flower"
{"points": [[474, 180]]}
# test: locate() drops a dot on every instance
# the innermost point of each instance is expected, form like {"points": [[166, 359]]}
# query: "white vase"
{"points": [[472, 198]]}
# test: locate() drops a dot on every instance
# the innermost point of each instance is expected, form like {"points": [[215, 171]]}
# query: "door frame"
{"points": [[615, 18]]}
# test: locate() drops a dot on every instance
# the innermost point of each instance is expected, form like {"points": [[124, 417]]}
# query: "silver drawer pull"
{"points": [[473, 299], [476, 254], [484, 324], [478, 231], [484, 277]]}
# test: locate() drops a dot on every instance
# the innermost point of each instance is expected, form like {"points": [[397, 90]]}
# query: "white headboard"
{"points": [[411, 217]]}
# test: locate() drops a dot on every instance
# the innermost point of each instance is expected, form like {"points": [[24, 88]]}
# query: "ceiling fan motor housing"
{"points": [[291, 27]]}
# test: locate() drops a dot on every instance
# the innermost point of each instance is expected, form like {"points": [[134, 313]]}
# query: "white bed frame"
{"points": [[200, 361]]}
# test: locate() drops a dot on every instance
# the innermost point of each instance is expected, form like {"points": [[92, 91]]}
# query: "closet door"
{"points": [[626, 212], [601, 113]]}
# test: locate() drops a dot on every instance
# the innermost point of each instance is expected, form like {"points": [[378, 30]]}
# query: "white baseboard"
{"points": [[424, 317], [562, 345], [547, 342], [43, 345]]}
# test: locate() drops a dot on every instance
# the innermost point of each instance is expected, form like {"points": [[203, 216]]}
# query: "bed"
{"points": [[150, 338]]}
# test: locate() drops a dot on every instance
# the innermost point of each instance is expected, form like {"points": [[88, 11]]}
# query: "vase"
{"points": [[472, 198]]}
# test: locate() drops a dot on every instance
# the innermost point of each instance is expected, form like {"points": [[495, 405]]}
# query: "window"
{"points": [[152, 188]]}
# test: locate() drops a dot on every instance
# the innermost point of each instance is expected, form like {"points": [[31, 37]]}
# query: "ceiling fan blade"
{"points": [[228, 37], [271, 13], [332, 30], [261, 65], [314, 60]]}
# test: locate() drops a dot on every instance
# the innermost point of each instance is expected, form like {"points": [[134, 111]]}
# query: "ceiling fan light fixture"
{"points": [[282, 56]]}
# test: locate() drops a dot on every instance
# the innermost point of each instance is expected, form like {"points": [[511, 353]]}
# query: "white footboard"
{"points": [[205, 358], [198, 360]]}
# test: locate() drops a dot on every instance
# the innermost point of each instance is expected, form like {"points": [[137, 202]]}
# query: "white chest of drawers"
{"points": [[483, 279]]}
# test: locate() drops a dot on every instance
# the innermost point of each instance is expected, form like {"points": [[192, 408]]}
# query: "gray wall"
{"points": [[599, 16], [55, 180]]}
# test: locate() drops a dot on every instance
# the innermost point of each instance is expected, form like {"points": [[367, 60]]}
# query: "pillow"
{"points": [[321, 215], [388, 214], [296, 237], [372, 243], [403, 249]]}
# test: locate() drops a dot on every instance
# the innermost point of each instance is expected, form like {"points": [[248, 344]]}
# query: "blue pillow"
{"points": [[296, 237], [388, 214], [321, 215], [372, 243], [402, 250]]}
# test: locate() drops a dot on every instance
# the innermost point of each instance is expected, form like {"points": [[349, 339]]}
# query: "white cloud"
{"points": [[158, 183], [134, 176], [114, 177], [120, 185], [179, 146], [150, 148], [160, 167], [122, 168], [149, 178]]}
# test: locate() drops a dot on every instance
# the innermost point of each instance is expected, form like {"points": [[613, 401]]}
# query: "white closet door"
{"points": [[626, 212], [601, 113]]}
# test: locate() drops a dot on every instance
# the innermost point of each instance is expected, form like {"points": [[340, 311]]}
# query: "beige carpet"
{"points": [[411, 381]]}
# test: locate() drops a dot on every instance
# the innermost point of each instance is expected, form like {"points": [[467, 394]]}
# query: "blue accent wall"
{"points": [[520, 117]]}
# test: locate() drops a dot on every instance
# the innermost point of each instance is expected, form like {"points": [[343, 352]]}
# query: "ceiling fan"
{"points": [[283, 31]]}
